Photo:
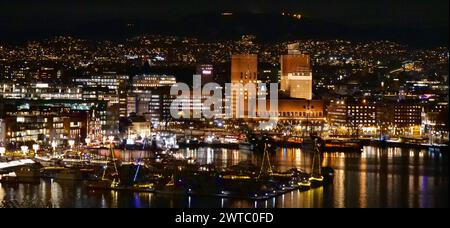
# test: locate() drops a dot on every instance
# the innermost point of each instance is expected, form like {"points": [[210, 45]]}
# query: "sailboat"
{"points": [[316, 178], [106, 183]]}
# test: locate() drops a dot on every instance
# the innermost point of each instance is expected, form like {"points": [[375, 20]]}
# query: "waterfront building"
{"points": [[435, 120], [406, 117], [305, 115], [353, 116], [296, 73], [358, 116], [52, 120], [44, 124]]}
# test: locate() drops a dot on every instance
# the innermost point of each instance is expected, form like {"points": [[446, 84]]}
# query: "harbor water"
{"points": [[378, 177]]}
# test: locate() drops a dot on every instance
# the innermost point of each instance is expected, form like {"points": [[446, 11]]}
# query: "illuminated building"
{"points": [[40, 91], [353, 116], [140, 83], [244, 70], [360, 116], [300, 85], [402, 117], [296, 74], [435, 119], [300, 110], [153, 99], [41, 123], [307, 114], [426, 87], [2, 131], [159, 106], [110, 80], [131, 104], [110, 87], [206, 71], [48, 74], [98, 121], [140, 128], [407, 117]]}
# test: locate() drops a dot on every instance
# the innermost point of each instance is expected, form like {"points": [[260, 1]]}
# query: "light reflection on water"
{"points": [[390, 177]]}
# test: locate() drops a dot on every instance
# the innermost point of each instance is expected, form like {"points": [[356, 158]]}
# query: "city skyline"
{"points": [[224, 104]]}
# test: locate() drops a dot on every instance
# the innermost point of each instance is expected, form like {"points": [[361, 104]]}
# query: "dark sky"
{"points": [[409, 13], [34, 19]]}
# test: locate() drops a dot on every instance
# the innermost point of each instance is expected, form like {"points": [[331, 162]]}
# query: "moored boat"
{"points": [[27, 174], [68, 174], [9, 179], [47, 162], [343, 146]]}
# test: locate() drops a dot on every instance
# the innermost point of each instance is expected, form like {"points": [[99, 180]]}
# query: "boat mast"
{"points": [[316, 168], [115, 165], [269, 166]]}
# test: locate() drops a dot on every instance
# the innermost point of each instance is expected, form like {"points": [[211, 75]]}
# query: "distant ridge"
{"points": [[210, 26]]}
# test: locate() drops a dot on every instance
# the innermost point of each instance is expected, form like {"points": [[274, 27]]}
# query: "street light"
{"points": [[35, 148], [54, 145], [87, 140], [24, 150], [2, 151], [71, 143]]}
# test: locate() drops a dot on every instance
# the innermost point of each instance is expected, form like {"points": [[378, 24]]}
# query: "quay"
{"points": [[15, 163]]}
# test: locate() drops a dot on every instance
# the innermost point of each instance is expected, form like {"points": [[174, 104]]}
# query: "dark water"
{"points": [[390, 177]]}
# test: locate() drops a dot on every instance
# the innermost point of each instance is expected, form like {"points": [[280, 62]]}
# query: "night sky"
{"points": [[19, 15]]}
